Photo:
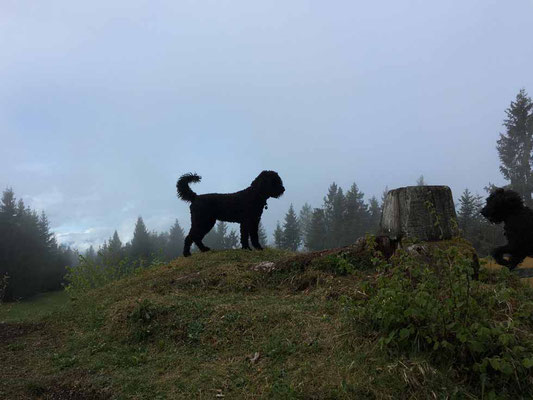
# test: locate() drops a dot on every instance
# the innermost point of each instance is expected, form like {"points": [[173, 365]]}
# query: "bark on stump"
{"points": [[423, 212]]}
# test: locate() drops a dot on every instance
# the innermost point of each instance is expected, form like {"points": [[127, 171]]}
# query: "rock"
{"points": [[264, 266], [423, 212]]}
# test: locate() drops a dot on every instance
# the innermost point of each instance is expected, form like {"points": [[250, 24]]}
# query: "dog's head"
{"points": [[500, 204], [269, 184]]}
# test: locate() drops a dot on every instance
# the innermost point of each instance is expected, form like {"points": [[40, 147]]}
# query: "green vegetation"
{"points": [[229, 324], [34, 309]]}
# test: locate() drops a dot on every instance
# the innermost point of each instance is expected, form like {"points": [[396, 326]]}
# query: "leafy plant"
{"points": [[436, 308]]}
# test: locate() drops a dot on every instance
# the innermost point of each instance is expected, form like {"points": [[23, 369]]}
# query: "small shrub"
{"points": [[143, 319], [482, 330]]}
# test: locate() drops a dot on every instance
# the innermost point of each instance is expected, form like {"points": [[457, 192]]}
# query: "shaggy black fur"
{"points": [[507, 206], [244, 207]]}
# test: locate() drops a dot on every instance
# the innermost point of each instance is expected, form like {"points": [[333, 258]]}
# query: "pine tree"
{"points": [[356, 216], [261, 233], [468, 216], [90, 254], [29, 254], [113, 250], [317, 233], [420, 181], [141, 244], [334, 209], [384, 197], [483, 235], [306, 214], [516, 144], [232, 240], [291, 231], [375, 214], [176, 237], [278, 236]]}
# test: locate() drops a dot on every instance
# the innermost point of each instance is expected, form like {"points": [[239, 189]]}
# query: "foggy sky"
{"points": [[104, 104]]}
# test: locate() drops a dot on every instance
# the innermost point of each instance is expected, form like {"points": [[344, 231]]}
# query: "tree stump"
{"points": [[423, 212]]}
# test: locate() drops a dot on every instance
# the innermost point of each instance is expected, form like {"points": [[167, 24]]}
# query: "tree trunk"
{"points": [[423, 212]]}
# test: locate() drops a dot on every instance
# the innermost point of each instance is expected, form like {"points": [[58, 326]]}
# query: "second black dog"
{"points": [[507, 206], [244, 207]]}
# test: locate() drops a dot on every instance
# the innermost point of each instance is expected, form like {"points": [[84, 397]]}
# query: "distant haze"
{"points": [[104, 104]]}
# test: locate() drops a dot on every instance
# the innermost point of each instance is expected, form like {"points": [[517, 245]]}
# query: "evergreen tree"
{"points": [[278, 236], [232, 240], [334, 209], [483, 235], [468, 216], [90, 254], [375, 214], [114, 249], [291, 231], [316, 236], [215, 239], [141, 244], [29, 254], [420, 181], [221, 230], [306, 214], [516, 144], [176, 237], [159, 243], [384, 196], [356, 216], [261, 233]]}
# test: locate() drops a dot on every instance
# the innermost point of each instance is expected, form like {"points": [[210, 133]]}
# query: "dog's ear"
{"points": [[259, 180]]}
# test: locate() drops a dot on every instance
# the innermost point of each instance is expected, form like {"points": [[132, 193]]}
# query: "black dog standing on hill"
{"points": [[244, 207], [507, 206]]}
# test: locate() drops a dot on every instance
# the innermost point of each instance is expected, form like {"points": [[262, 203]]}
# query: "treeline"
{"points": [[342, 218], [144, 247], [30, 259], [147, 246]]}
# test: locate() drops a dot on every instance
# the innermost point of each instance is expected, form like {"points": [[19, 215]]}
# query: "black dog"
{"points": [[244, 207], [507, 206]]}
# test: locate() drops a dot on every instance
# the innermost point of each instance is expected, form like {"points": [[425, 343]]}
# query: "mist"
{"points": [[104, 105]]}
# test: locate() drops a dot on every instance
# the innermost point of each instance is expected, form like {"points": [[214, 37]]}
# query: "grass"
{"points": [[208, 326], [34, 309]]}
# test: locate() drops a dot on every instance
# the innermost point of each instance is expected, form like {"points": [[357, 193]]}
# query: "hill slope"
{"points": [[216, 325]]}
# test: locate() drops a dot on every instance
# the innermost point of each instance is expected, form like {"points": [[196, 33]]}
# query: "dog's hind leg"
{"points": [[187, 246], [244, 236], [201, 228]]}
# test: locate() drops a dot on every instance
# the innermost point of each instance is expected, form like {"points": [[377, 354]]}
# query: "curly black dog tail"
{"points": [[184, 191]]}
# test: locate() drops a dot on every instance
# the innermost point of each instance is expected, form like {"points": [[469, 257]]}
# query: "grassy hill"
{"points": [[217, 326]]}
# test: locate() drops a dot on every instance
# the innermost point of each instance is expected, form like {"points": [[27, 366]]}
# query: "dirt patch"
{"points": [[10, 331]]}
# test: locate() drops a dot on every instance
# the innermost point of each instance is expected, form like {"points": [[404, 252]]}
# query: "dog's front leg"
{"points": [[254, 235], [244, 236]]}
